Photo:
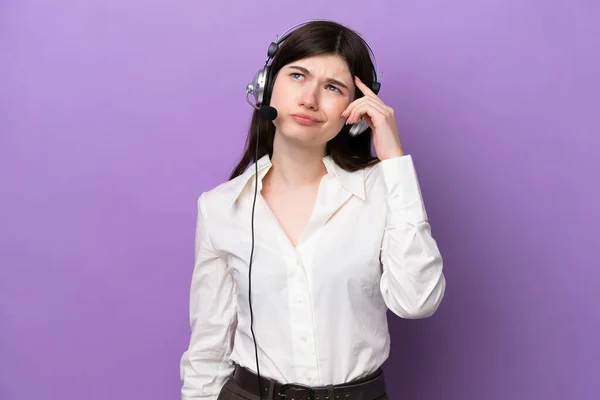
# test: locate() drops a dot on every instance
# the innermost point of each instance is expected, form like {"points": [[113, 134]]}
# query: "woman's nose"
{"points": [[309, 98]]}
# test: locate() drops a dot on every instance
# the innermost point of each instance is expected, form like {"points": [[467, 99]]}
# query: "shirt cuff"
{"points": [[404, 193]]}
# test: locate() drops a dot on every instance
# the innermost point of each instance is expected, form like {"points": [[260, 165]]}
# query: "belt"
{"points": [[368, 388]]}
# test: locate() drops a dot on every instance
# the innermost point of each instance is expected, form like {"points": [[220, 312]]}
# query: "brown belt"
{"points": [[368, 388]]}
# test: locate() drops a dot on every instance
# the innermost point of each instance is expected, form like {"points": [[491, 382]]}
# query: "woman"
{"points": [[338, 237]]}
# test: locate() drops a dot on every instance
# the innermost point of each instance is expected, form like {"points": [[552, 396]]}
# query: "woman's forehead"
{"points": [[323, 63]]}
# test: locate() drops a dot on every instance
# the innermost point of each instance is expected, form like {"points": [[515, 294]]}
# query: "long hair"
{"points": [[351, 153]]}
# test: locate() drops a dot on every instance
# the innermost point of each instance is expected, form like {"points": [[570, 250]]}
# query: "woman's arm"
{"points": [[205, 366], [412, 283]]}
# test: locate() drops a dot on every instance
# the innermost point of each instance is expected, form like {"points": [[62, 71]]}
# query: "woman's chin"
{"points": [[308, 135], [302, 135]]}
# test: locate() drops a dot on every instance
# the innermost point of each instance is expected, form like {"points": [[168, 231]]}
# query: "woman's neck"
{"points": [[295, 166]]}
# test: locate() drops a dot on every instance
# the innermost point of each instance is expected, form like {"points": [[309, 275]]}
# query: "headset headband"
{"points": [[288, 32]]}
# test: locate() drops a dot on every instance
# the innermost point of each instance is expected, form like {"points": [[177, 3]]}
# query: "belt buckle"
{"points": [[286, 386]]}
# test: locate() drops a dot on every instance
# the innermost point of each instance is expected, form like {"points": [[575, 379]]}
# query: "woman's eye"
{"points": [[297, 76]]}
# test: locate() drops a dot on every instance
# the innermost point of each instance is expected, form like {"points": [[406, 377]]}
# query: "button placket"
{"points": [[302, 334]]}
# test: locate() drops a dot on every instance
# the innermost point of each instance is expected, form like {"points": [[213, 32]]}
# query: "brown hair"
{"points": [[351, 153]]}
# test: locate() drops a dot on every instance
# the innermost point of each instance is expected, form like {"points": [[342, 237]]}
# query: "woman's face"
{"points": [[310, 95]]}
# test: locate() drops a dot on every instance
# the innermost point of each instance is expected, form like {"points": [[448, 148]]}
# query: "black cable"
{"points": [[252, 255]]}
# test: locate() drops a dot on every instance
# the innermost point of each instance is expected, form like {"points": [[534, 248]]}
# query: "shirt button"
{"points": [[309, 378], [304, 339], [300, 300]]}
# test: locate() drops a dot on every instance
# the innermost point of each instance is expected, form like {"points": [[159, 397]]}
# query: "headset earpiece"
{"points": [[273, 47], [376, 87], [361, 126], [358, 127], [257, 88]]}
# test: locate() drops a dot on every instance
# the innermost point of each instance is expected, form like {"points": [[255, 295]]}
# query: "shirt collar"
{"points": [[264, 164], [351, 181]]}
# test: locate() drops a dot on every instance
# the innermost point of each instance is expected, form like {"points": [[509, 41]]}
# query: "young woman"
{"points": [[335, 236]]}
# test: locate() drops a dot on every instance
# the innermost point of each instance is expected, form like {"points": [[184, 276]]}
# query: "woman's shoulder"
{"points": [[222, 194]]}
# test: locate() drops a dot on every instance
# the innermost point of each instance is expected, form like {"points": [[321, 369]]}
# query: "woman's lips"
{"points": [[304, 120]]}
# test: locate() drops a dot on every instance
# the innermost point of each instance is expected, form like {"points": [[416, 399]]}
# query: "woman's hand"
{"points": [[380, 118]]}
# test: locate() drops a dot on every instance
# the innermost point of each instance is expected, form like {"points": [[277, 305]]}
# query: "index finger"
{"points": [[364, 88]]}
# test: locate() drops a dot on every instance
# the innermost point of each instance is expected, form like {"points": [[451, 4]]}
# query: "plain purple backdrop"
{"points": [[116, 115]]}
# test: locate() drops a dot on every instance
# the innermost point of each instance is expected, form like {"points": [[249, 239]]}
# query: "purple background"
{"points": [[116, 115]]}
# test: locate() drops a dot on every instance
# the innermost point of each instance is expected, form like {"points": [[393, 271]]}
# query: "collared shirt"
{"points": [[319, 308]]}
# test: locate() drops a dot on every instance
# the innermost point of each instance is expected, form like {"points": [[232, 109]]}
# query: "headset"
{"points": [[259, 89], [261, 82]]}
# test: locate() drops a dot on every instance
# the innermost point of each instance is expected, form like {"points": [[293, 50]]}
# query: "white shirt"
{"points": [[319, 308]]}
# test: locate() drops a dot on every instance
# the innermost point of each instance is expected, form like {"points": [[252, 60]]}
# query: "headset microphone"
{"points": [[267, 112]]}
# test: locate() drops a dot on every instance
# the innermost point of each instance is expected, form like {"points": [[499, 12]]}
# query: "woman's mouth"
{"points": [[303, 119]]}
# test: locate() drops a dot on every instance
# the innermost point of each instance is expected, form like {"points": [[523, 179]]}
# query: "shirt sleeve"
{"points": [[412, 282], [205, 365]]}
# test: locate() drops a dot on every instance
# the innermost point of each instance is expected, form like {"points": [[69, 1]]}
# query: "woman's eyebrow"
{"points": [[330, 80]]}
